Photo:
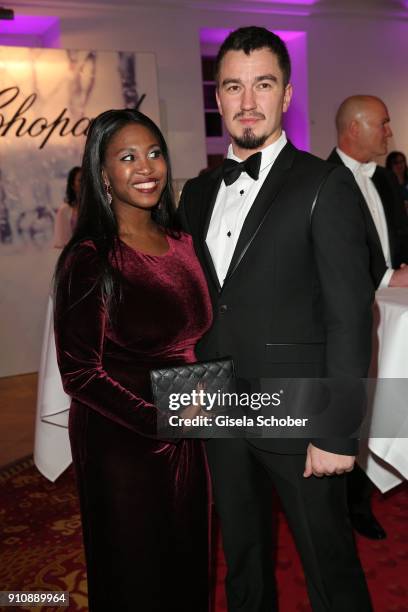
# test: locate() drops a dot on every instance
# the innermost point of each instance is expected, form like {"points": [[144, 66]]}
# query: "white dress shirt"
{"points": [[363, 174], [232, 206]]}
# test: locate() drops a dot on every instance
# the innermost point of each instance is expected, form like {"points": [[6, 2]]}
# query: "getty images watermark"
{"points": [[201, 409], [309, 408]]}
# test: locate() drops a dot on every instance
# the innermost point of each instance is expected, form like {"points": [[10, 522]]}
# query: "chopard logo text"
{"points": [[41, 127]]}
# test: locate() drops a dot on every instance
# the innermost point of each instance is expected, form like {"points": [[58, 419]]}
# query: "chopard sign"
{"points": [[41, 127]]}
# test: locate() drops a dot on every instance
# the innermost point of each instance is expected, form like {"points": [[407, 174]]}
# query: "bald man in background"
{"points": [[363, 131]]}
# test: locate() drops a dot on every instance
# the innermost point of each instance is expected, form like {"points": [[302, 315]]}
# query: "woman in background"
{"points": [[67, 213], [131, 297], [397, 163]]}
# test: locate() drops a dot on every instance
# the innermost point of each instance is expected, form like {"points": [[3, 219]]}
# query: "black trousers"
{"points": [[359, 492], [316, 510]]}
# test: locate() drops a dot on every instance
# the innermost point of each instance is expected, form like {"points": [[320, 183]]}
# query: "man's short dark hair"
{"points": [[251, 38]]}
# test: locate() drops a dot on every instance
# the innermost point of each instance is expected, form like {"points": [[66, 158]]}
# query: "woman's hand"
{"points": [[193, 410]]}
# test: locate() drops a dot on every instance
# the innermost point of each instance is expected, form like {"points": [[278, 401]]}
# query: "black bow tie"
{"points": [[232, 169]]}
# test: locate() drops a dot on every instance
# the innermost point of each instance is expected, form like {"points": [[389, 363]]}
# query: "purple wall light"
{"points": [[30, 31]]}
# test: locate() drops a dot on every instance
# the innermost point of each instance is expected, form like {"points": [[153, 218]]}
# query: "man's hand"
{"points": [[322, 463], [399, 277]]}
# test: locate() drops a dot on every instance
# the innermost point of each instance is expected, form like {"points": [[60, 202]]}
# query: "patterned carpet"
{"points": [[41, 549]]}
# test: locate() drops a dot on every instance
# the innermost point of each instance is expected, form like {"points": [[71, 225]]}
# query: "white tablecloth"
{"points": [[386, 459], [52, 452]]}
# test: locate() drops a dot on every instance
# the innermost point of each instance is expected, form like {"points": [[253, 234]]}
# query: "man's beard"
{"points": [[248, 140]]}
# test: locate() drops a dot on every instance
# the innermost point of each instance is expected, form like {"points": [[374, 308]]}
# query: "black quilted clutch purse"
{"points": [[214, 377]]}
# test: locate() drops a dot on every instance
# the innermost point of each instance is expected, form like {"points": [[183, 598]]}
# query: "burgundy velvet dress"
{"points": [[144, 503]]}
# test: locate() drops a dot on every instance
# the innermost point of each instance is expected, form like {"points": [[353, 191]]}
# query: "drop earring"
{"points": [[108, 192]]}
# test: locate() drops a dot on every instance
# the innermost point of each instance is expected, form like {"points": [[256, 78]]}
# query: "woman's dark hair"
{"points": [[392, 158], [251, 38], [70, 195], [96, 219]]}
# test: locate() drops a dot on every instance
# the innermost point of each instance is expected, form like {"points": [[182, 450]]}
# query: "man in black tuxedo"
{"points": [[291, 292], [363, 131]]}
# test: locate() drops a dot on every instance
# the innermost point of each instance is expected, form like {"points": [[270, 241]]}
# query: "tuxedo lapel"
{"points": [[209, 197], [335, 158], [273, 184]]}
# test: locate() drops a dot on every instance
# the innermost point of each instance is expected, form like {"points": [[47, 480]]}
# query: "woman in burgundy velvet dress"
{"points": [[130, 297]]}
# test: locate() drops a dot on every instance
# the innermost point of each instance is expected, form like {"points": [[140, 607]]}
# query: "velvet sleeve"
{"points": [[80, 325]]}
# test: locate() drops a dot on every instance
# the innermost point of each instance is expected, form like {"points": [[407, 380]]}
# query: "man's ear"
{"points": [[287, 97], [217, 97], [354, 128]]}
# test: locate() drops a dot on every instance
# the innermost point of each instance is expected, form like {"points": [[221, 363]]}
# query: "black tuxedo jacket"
{"points": [[397, 222], [296, 301]]}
